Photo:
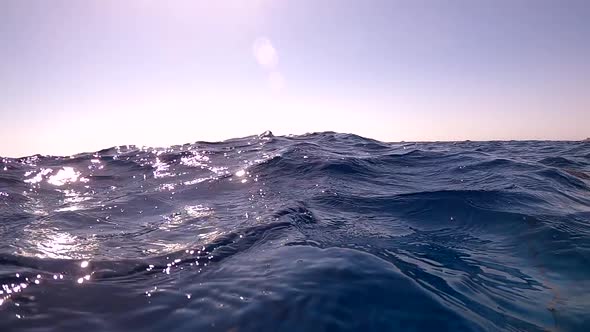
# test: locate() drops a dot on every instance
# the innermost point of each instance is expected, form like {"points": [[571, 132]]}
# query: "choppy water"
{"points": [[321, 232]]}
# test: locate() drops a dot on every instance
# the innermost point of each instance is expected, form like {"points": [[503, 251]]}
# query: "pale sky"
{"points": [[82, 75]]}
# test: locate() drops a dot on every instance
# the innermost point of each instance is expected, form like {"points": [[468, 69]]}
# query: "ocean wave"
{"points": [[324, 231]]}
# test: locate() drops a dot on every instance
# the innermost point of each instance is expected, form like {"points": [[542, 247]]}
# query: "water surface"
{"points": [[320, 232]]}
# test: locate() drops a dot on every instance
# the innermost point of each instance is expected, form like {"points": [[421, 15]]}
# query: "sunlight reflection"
{"points": [[95, 164], [167, 187], [52, 243], [196, 160], [71, 200], [34, 205], [198, 180], [164, 247], [161, 169], [56, 245], [64, 176], [220, 171], [190, 213], [39, 176], [198, 211], [210, 236]]}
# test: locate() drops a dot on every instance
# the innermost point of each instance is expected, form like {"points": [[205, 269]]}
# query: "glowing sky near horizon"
{"points": [[79, 76]]}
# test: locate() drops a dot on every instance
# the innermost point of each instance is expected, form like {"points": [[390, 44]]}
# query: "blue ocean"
{"points": [[318, 232]]}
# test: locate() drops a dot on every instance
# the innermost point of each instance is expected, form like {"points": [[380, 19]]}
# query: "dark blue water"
{"points": [[321, 232]]}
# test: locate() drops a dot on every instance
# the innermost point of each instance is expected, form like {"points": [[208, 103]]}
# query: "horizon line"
{"points": [[269, 133]]}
